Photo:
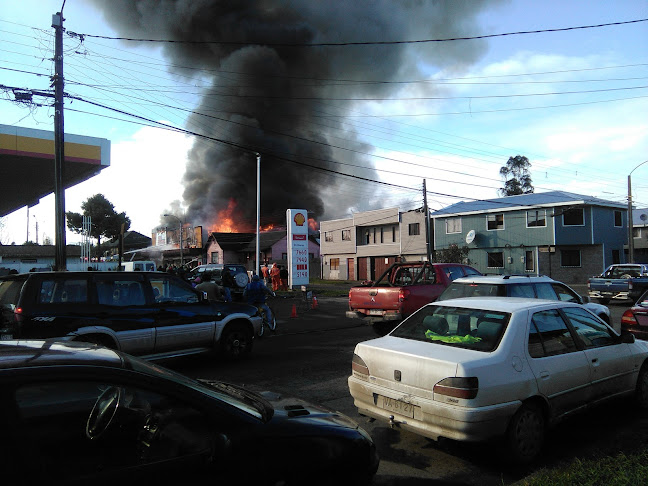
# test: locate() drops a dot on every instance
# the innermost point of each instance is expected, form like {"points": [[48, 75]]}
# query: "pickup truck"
{"points": [[625, 281], [401, 290]]}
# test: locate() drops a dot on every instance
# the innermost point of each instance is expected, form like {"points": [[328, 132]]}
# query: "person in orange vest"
{"points": [[265, 271], [274, 275]]}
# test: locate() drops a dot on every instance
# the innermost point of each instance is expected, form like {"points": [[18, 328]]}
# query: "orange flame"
{"points": [[269, 227], [313, 225], [227, 220]]}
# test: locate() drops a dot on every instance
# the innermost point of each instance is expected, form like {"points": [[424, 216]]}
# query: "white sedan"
{"points": [[479, 368]]}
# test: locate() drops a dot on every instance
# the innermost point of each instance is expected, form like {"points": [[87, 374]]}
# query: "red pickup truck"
{"points": [[401, 290]]}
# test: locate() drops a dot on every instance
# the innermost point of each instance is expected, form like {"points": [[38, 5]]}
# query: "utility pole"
{"points": [[258, 215], [427, 223], [60, 261]]}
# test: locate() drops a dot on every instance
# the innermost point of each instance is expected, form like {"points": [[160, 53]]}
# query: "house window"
{"points": [[616, 256], [529, 261], [346, 235], [496, 260], [636, 232], [414, 229], [453, 225], [574, 217], [495, 221], [328, 236], [382, 236], [618, 219], [335, 264], [536, 218], [214, 257], [570, 258], [393, 234]]}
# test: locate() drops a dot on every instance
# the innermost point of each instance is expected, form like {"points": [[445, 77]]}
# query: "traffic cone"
{"points": [[314, 303], [294, 311]]}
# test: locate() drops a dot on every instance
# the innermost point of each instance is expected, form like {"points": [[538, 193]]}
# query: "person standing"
{"points": [[228, 284], [209, 287], [265, 271], [274, 276], [283, 275]]}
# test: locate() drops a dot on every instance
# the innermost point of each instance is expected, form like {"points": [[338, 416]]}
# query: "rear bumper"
{"points": [[434, 419], [371, 319]]}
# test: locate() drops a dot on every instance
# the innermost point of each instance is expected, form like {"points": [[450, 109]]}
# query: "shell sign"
{"points": [[297, 243]]}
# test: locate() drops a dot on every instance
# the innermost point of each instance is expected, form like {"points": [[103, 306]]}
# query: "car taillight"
{"points": [[466, 388], [403, 295], [18, 310], [359, 366], [628, 318]]}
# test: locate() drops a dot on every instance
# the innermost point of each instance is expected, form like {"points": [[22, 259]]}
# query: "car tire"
{"points": [[236, 341], [641, 390], [526, 433], [383, 328], [605, 318]]}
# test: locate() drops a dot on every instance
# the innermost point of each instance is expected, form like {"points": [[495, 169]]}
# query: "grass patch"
{"points": [[618, 470]]}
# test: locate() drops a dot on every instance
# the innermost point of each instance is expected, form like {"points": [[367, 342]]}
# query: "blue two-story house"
{"points": [[569, 237]]}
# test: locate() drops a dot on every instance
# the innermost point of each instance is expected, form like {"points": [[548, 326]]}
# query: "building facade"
{"points": [[363, 246], [566, 236]]}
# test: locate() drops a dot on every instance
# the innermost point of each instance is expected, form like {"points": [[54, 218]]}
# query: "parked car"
{"points": [[149, 314], [76, 413], [403, 288], [626, 281], [475, 369], [529, 286], [635, 319]]}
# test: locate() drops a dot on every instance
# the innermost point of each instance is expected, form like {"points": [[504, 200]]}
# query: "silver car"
{"points": [[477, 368]]}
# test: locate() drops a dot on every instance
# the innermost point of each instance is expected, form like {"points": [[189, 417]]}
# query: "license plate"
{"points": [[375, 312], [396, 406]]}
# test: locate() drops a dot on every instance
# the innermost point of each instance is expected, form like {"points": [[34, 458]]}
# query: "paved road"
{"points": [[310, 357]]}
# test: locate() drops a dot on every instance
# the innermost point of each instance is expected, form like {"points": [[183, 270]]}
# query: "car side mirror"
{"points": [[627, 337], [586, 299]]}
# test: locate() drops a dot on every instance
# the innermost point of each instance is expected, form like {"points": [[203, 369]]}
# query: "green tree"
{"points": [[452, 254], [105, 220], [517, 179]]}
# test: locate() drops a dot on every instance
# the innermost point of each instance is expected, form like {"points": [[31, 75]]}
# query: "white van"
{"points": [[141, 266]]}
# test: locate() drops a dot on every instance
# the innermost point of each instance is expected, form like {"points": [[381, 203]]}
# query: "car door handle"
{"points": [[595, 361], [544, 375]]}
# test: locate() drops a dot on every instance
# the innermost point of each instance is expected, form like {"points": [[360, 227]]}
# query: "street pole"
{"points": [[60, 260], [630, 221], [258, 222], [427, 223]]}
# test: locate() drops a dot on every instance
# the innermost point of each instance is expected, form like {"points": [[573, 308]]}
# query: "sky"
{"points": [[364, 125]]}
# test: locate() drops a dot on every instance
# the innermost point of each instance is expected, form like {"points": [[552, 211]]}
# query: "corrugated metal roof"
{"points": [[511, 203], [34, 251]]}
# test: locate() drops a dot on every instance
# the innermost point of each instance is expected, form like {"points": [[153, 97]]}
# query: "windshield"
{"points": [[238, 397], [456, 290], [460, 327]]}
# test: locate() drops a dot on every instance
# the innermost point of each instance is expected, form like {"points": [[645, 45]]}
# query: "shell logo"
{"points": [[299, 219]]}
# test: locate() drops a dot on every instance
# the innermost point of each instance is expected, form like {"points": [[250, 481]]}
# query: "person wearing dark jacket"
{"points": [[228, 283]]}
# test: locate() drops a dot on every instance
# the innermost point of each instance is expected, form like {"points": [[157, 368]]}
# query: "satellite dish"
{"points": [[643, 217], [470, 237]]}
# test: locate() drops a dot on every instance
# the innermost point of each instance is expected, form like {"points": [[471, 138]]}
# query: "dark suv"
{"points": [[151, 314]]}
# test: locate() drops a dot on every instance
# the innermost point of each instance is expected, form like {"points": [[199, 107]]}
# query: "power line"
{"points": [[362, 43]]}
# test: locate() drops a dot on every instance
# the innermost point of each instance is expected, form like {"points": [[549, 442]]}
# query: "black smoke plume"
{"points": [[272, 94]]}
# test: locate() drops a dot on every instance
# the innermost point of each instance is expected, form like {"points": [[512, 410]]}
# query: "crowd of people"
{"points": [[275, 276]]}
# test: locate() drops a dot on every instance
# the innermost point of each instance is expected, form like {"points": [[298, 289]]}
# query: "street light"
{"points": [[630, 222], [180, 222]]}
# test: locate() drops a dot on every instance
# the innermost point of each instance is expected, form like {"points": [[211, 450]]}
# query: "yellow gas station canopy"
{"points": [[27, 164]]}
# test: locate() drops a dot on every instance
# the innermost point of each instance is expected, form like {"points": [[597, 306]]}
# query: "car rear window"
{"points": [[10, 291], [477, 329]]}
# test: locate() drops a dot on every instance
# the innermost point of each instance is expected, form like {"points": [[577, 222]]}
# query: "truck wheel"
{"points": [[604, 301], [383, 328]]}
